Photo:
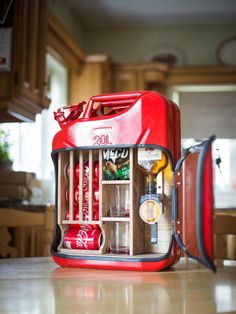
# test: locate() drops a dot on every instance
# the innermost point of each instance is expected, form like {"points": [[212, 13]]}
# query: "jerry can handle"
{"points": [[68, 114], [116, 97], [110, 100]]}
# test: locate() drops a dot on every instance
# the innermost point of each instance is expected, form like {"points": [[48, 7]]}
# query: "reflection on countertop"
{"points": [[186, 288]]}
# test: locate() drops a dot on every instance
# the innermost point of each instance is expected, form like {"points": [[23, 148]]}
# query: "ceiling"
{"points": [[151, 13]]}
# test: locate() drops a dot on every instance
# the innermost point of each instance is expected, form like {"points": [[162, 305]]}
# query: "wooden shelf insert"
{"points": [[116, 182], [78, 252], [76, 222], [122, 219]]}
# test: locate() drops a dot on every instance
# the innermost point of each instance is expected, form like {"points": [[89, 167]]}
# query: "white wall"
{"points": [[198, 44], [66, 15], [195, 44]]}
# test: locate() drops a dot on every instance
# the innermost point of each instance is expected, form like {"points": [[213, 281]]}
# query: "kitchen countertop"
{"points": [[38, 285]]}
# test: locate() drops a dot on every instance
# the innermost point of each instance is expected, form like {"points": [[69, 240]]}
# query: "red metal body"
{"points": [[137, 119], [146, 118]]}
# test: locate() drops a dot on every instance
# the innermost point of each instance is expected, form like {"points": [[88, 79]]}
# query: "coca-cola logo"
{"points": [[82, 239]]}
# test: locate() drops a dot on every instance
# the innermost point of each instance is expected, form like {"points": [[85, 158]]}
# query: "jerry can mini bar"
{"points": [[125, 197]]}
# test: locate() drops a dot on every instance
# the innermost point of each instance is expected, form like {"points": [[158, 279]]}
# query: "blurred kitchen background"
{"points": [[59, 52]]}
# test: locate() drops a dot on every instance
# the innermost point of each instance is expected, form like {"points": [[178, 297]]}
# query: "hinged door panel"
{"points": [[193, 202]]}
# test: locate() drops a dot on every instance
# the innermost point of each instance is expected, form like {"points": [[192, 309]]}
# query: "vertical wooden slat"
{"points": [[62, 185], [131, 227], [48, 230], [32, 242], [39, 241], [71, 185], [100, 186], [81, 188], [59, 192], [22, 250], [90, 185]]}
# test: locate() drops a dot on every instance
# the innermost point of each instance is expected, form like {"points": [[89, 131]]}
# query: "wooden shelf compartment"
{"points": [[116, 219], [115, 182], [79, 252], [139, 232], [81, 222], [62, 183]]}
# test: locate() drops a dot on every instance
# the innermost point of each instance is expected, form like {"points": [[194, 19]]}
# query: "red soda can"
{"points": [[75, 213], [86, 239], [85, 211], [86, 216], [76, 172], [95, 212], [96, 169], [76, 195], [86, 169], [95, 195]]}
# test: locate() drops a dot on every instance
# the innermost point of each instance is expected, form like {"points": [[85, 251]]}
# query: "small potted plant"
{"points": [[5, 161]]}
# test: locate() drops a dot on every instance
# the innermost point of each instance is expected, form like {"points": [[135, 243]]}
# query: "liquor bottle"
{"points": [[151, 161]]}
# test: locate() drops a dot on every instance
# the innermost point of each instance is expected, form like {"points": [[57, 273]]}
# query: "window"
{"points": [[225, 174], [30, 142], [207, 110]]}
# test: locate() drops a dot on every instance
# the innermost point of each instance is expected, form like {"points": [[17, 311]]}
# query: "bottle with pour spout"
{"points": [[152, 162]]}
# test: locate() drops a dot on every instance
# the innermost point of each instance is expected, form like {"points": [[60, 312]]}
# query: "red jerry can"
{"points": [[125, 197]]}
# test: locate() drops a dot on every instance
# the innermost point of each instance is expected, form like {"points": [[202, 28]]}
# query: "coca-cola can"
{"points": [[96, 169], [75, 210], [83, 238], [76, 172], [85, 213], [86, 169], [95, 195]]}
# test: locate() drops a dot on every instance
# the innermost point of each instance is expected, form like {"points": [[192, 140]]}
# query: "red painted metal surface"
{"points": [[115, 265], [132, 118], [148, 118]]}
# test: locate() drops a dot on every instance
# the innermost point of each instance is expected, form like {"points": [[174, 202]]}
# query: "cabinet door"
{"points": [[139, 76], [30, 50], [23, 94], [193, 202], [93, 79], [125, 80]]}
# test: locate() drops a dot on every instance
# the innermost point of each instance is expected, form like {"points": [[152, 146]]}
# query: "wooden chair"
{"points": [[225, 235], [25, 233]]}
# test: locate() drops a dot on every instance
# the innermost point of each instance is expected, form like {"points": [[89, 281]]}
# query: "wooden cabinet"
{"points": [[26, 231], [99, 75], [94, 78], [139, 76], [202, 75], [22, 92]]}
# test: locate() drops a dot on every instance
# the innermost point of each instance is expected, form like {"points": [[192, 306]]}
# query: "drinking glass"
{"points": [[119, 238], [118, 201]]}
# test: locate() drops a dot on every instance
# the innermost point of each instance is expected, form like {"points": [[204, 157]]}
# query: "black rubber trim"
{"points": [[207, 260], [96, 147], [203, 148], [57, 232], [121, 258]]}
